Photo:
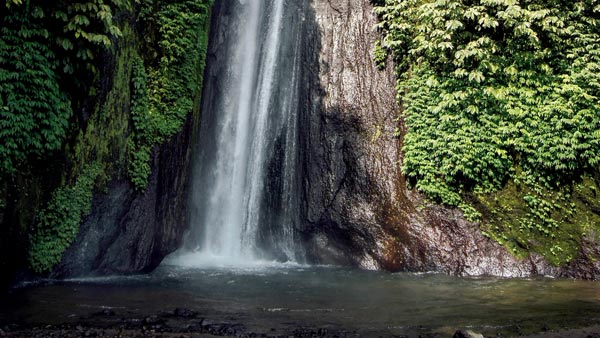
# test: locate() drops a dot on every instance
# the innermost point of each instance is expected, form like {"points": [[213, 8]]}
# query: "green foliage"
{"points": [[76, 31], [41, 45], [87, 28], [498, 91], [58, 224], [144, 127], [34, 113], [380, 55], [104, 138], [552, 222], [46, 71], [163, 93], [48, 67]]}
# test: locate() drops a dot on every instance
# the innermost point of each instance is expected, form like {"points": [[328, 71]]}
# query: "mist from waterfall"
{"points": [[244, 204]]}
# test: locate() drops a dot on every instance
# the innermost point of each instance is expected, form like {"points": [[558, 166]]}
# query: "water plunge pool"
{"points": [[280, 298]]}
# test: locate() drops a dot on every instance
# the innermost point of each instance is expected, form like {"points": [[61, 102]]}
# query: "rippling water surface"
{"points": [[268, 296]]}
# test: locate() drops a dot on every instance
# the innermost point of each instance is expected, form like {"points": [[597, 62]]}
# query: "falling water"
{"points": [[244, 205]]}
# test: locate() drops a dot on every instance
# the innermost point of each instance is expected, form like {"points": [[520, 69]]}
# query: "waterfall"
{"points": [[244, 204]]}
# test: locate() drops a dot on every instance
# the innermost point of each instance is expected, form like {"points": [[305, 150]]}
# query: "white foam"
{"points": [[209, 260]]}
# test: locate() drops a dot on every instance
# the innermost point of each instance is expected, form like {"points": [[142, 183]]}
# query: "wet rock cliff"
{"points": [[357, 206], [131, 230]]}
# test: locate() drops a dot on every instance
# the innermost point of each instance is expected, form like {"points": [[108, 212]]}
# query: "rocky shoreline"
{"points": [[177, 323], [182, 323]]}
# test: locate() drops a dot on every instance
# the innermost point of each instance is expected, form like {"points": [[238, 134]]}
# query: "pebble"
{"points": [[184, 313], [107, 312], [153, 320], [467, 334]]}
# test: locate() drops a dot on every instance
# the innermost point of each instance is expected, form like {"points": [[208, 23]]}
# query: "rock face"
{"points": [[128, 231], [357, 206]]}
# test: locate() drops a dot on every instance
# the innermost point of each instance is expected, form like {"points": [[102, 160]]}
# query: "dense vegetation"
{"points": [[58, 223], [163, 95], [76, 95], [502, 106], [46, 53]]}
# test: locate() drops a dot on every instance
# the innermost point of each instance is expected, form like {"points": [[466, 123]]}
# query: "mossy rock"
{"points": [[555, 228]]}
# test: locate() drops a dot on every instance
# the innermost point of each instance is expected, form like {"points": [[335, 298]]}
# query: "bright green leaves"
{"points": [[46, 71], [144, 131], [497, 91], [163, 95], [86, 28], [380, 55], [40, 45], [82, 19], [58, 224], [34, 113], [10, 3]]}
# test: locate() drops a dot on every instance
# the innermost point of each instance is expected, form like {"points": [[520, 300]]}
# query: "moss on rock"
{"points": [[562, 219]]}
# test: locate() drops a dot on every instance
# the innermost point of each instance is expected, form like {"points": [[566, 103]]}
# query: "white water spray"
{"points": [[248, 143]]}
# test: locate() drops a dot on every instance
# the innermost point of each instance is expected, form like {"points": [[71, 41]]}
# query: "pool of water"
{"points": [[267, 296]]}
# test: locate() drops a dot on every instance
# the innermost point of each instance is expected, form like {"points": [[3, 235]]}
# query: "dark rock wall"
{"points": [[129, 231], [342, 88], [357, 205]]}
